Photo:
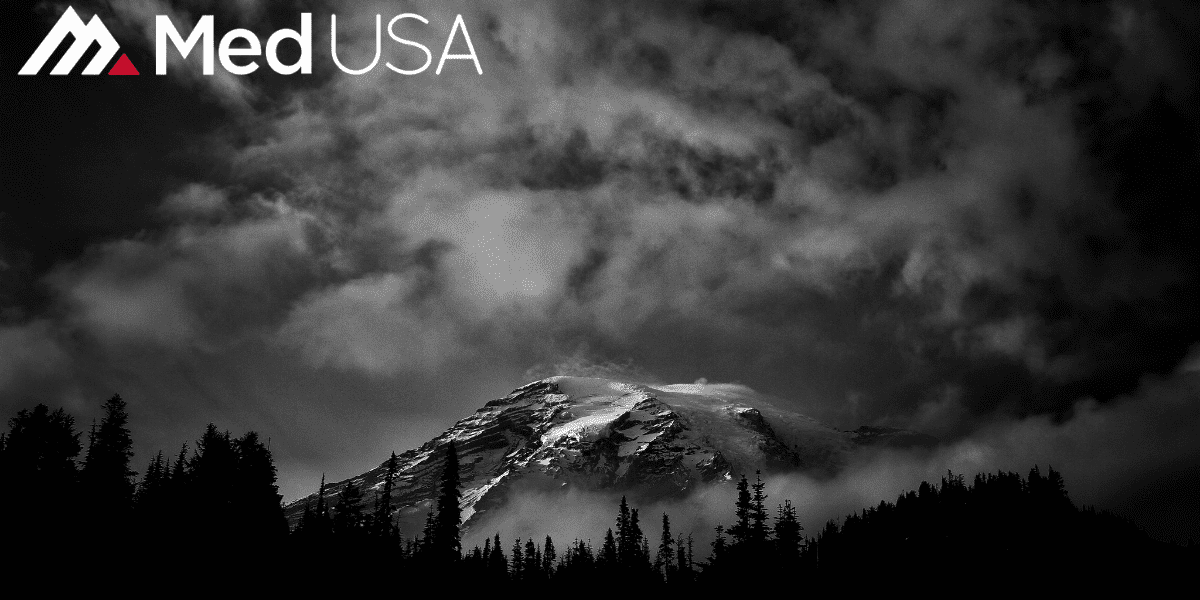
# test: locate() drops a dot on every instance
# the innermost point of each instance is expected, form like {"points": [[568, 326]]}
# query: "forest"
{"points": [[76, 505]]}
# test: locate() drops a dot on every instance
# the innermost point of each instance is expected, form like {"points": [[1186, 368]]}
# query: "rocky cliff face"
{"points": [[599, 434]]}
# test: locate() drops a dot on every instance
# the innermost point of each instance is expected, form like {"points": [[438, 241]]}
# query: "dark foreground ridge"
{"points": [[214, 513]]}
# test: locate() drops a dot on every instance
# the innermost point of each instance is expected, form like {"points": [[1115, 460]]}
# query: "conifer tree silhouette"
{"points": [[428, 538], [153, 481], [739, 533], [321, 508], [446, 538], [319, 528], [758, 515], [179, 470], [257, 509], [211, 489], [625, 540], [666, 554], [608, 551], [39, 452], [787, 534], [497, 564], [348, 521], [720, 550], [106, 474], [382, 526], [637, 554], [152, 500], [549, 556], [517, 571], [533, 563], [684, 571]]}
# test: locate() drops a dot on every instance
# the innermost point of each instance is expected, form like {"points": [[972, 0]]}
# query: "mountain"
{"points": [[600, 434]]}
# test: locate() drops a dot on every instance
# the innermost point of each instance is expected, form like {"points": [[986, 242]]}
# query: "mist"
{"points": [[1114, 457]]}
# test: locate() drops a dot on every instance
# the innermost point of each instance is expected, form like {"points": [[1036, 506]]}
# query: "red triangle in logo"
{"points": [[123, 67]]}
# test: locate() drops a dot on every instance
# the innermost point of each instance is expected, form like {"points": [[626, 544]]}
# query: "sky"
{"points": [[970, 218]]}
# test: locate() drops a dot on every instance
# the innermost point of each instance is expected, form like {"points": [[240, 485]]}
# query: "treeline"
{"points": [[1000, 531], [218, 500], [215, 507]]}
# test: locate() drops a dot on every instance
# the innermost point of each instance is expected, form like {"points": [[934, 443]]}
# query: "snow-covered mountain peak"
{"points": [[601, 434]]}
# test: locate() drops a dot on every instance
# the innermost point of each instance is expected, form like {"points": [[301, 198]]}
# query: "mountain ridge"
{"points": [[600, 434]]}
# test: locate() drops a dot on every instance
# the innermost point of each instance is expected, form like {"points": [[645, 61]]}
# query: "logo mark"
{"points": [[93, 32]]}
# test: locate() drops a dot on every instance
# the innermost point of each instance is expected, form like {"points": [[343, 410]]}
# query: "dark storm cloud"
{"points": [[942, 215]]}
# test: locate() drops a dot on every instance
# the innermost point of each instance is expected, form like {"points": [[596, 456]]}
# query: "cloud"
{"points": [[1127, 455], [1111, 456], [195, 199], [376, 325], [907, 213], [501, 247], [191, 285], [29, 351]]}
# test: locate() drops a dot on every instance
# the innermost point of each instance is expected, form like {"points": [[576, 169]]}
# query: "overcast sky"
{"points": [[970, 218]]}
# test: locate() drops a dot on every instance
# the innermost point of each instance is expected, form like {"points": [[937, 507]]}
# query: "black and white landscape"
{"points": [[696, 293]]}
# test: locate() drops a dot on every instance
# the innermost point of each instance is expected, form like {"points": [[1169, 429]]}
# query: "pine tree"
{"points": [[314, 524], [447, 540], [179, 467], [608, 551], [153, 479], [533, 562], [719, 548], [690, 565], [758, 514], [151, 501], [211, 490], [625, 541], [382, 519], [41, 446], [497, 564], [548, 558], [322, 510], [680, 557], [629, 537], [306, 521], [428, 537], [579, 562], [1056, 489], [662, 562], [740, 532], [518, 562], [107, 476], [257, 507], [683, 558], [347, 513], [39, 452], [787, 534]]}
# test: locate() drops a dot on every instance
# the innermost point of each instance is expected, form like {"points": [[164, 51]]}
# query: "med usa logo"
{"points": [[240, 60], [85, 34]]}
